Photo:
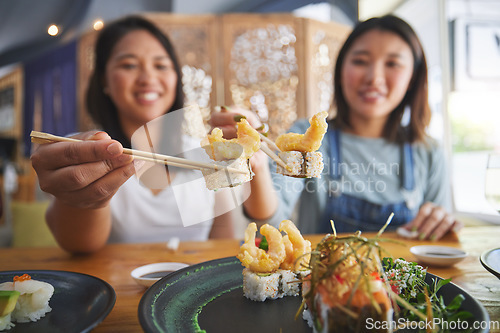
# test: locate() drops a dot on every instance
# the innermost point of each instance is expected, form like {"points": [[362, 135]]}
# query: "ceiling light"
{"points": [[53, 30], [98, 24]]}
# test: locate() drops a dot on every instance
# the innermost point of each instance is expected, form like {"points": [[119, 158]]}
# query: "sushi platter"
{"points": [[215, 287]]}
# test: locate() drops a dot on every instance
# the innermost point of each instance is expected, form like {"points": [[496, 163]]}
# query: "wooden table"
{"points": [[115, 262]]}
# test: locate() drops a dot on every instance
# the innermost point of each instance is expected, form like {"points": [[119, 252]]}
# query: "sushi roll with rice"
{"points": [[234, 153], [33, 301], [261, 286], [299, 151], [216, 179], [301, 164], [279, 271]]}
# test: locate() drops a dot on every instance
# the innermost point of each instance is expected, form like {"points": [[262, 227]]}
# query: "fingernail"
{"points": [[413, 229], [433, 237], [238, 117], [125, 158], [421, 236], [225, 108], [114, 148], [100, 133]]}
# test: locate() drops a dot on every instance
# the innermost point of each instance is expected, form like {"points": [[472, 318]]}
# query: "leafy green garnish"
{"points": [[263, 244], [413, 290]]}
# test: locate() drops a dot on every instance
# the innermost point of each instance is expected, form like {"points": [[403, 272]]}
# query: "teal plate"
{"points": [[209, 297]]}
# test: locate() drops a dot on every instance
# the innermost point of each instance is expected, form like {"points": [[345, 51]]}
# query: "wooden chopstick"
{"points": [[269, 142], [275, 157], [42, 138]]}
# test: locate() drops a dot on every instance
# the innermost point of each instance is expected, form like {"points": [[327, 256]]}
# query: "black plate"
{"points": [[491, 261], [209, 296], [79, 303]]}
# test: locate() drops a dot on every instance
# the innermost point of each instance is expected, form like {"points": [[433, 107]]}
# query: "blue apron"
{"points": [[350, 213]]}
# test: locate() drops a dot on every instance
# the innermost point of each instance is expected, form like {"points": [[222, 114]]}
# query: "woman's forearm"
{"points": [[79, 230], [262, 200]]}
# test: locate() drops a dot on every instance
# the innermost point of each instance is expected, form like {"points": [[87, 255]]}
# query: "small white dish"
{"points": [[438, 255], [147, 275]]}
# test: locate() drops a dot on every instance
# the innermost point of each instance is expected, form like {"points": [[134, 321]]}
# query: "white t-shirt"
{"points": [[185, 209]]}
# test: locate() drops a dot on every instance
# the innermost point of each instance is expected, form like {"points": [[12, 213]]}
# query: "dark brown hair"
{"points": [[416, 97], [99, 105]]}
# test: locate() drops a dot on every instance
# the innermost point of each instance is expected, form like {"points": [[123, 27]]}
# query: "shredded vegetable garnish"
{"points": [[347, 273], [349, 282]]}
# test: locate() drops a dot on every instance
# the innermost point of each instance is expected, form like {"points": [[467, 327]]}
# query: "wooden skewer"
{"points": [[42, 138]]}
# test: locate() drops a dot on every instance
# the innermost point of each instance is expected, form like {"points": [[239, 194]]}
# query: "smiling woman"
{"points": [[141, 79], [380, 74], [97, 197]]}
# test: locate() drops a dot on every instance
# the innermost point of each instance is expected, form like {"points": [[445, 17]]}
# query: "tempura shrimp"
{"points": [[258, 260], [244, 145], [296, 247], [309, 141]]}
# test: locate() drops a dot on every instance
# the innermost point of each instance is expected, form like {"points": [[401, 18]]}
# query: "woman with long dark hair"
{"points": [[378, 158], [97, 198]]}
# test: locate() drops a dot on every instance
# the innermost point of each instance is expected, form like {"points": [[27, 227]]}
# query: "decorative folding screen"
{"points": [[278, 65]]}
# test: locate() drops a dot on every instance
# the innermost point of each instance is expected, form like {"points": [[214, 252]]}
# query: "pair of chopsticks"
{"points": [[42, 138], [270, 153], [267, 150]]}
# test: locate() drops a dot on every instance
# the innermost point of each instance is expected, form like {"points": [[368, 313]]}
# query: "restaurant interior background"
{"points": [[42, 77]]}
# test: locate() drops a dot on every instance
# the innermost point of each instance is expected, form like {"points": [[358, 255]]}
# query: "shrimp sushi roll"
{"points": [[262, 286], [301, 164], [234, 153], [33, 301], [216, 179], [279, 271], [300, 151]]}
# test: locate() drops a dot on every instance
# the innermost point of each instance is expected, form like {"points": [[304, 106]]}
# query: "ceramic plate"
{"points": [[491, 261], [438, 255], [209, 296], [79, 303]]}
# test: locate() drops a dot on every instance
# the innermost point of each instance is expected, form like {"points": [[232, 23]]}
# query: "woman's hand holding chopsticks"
{"points": [[83, 174]]}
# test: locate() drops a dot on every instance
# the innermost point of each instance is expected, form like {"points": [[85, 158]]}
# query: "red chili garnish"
{"points": [[376, 275], [340, 279], [22, 278], [394, 289]]}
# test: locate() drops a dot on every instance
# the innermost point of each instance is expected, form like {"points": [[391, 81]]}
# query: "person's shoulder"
{"points": [[300, 126], [431, 148], [429, 144]]}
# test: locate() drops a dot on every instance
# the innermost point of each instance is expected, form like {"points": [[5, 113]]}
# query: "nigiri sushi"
{"points": [[33, 301]]}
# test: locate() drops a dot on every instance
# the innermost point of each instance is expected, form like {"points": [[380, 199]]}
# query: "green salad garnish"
{"points": [[407, 279]]}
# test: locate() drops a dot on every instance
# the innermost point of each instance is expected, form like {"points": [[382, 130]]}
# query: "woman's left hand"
{"points": [[433, 222], [228, 117]]}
